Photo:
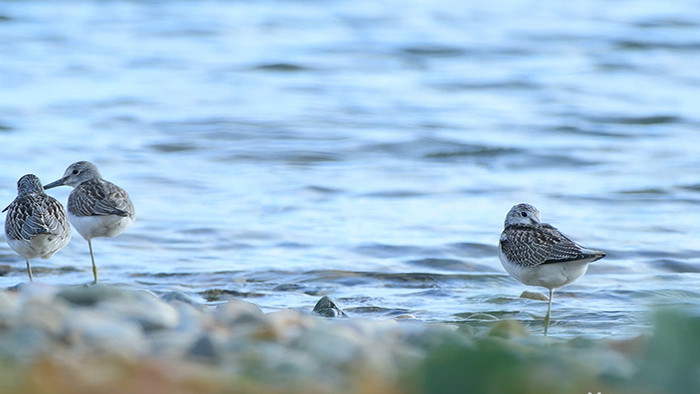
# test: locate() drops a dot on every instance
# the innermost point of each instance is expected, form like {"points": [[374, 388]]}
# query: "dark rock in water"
{"points": [[18, 287], [327, 308], [531, 295], [5, 269]]}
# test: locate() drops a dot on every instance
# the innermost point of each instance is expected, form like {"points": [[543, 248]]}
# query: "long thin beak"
{"points": [[56, 183]]}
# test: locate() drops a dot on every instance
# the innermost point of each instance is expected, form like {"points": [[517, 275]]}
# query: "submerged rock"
{"points": [[532, 295]]}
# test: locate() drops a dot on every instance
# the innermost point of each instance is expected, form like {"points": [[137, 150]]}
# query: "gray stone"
{"points": [[92, 294], [204, 350], [238, 312], [327, 308], [180, 297], [43, 313], [9, 309], [100, 332], [144, 308]]}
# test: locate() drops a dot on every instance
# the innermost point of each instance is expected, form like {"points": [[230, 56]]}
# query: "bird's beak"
{"points": [[59, 182], [8, 207]]}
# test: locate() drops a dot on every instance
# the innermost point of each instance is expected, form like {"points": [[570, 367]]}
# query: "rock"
{"points": [[334, 345], [5, 269], [204, 350], [92, 294], [25, 343], [508, 329], [285, 325], [327, 308], [144, 308], [177, 296], [238, 312], [9, 308], [46, 315], [531, 295], [101, 332]]}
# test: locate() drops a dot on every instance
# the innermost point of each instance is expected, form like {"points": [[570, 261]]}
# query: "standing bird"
{"points": [[537, 254], [96, 207], [36, 224]]}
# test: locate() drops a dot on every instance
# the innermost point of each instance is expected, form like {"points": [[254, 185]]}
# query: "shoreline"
{"points": [[114, 339]]}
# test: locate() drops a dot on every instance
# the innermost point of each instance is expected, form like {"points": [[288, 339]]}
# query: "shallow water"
{"points": [[279, 151]]}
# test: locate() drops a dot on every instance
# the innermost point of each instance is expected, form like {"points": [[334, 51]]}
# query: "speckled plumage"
{"points": [[36, 224], [97, 197], [537, 254], [96, 207], [532, 245]]}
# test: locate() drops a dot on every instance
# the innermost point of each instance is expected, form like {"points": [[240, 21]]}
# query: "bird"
{"points": [[537, 254], [96, 207], [36, 224]]}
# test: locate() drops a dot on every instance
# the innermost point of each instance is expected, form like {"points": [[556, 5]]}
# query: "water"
{"points": [[279, 151]]}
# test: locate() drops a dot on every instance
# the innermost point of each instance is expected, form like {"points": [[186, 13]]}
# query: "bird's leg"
{"points": [[92, 257], [549, 312], [29, 271]]}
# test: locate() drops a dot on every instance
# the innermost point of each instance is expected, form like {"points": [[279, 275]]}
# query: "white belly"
{"points": [[100, 226], [550, 276], [42, 245]]}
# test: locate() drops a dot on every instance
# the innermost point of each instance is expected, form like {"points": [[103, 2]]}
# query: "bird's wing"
{"points": [[98, 197], [562, 249], [523, 245], [531, 246], [33, 215]]}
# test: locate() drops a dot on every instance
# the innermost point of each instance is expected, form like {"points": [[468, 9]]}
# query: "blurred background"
{"points": [[278, 151]]}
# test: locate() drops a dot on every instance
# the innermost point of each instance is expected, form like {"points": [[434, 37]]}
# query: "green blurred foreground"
{"points": [[109, 340]]}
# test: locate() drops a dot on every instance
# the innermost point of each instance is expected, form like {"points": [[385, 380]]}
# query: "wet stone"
{"points": [[327, 308], [177, 296], [92, 294], [532, 295], [5, 269]]}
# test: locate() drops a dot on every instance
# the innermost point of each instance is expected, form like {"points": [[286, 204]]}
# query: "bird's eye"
{"points": [[523, 214], [75, 172]]}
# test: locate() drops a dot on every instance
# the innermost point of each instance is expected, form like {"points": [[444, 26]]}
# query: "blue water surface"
{"points": [[279, 151]]}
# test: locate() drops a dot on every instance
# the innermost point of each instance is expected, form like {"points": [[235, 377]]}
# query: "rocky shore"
{"points": [[115, 340]]}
